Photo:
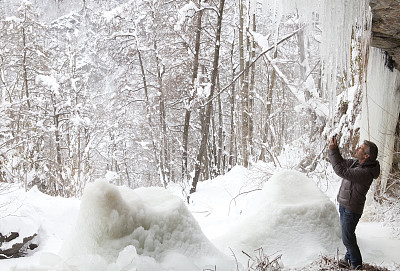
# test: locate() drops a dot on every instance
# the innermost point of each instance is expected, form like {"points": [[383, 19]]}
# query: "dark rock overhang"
{"points": [[386, 29]]}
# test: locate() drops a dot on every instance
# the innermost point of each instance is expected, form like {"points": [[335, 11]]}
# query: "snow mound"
{"points": [[120, 228], [34, 212], [290, 216]]}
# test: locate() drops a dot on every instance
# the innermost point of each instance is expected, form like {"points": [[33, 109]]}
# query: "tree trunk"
{"points": [[126, 167], [241, 39], [232, 145], [57, 138], [146, 93], [162, 114], [244, 88], [251, 92], [271, 87], [220, 136], [188, 109], [24, 66], [245, 121], [209, 105], [232, 142]]}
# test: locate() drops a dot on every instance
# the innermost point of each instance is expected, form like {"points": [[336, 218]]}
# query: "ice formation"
{"points": [[381, 105], [339, 22], [147, 227]]}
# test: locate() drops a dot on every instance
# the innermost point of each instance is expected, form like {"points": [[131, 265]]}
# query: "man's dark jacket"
{"points": [[357, 179]]}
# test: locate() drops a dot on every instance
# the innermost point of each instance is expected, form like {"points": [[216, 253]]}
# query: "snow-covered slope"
{"points": [[116, 228]]}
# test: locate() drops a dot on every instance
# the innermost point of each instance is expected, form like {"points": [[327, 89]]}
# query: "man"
{"points": [[357, 176]]}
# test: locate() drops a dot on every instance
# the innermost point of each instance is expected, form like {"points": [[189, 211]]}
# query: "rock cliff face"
{"points": [[386, 29]]}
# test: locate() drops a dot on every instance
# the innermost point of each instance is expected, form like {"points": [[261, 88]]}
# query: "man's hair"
{"points": [[372, 150]]}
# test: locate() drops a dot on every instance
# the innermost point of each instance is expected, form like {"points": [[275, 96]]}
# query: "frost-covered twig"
{"points": [[236, 261], [241, 193]]}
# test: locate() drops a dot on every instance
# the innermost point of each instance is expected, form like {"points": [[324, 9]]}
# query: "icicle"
{"points": [[381, 106], [337, 19]]}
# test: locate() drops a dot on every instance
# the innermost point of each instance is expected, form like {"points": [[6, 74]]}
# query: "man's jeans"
{"points": [[348, 222]]}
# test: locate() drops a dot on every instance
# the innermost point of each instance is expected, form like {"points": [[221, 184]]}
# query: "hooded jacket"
{"points": [[357, 178]]}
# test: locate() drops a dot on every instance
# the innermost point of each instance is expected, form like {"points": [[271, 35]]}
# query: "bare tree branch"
{"points": [[252, 63]]}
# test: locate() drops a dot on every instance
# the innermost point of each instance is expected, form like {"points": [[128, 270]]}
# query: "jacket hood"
{"points": [[374, 166]]}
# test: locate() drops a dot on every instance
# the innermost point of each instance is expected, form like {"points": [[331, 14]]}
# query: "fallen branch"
{"points": [[263, 263], [18, 249]]}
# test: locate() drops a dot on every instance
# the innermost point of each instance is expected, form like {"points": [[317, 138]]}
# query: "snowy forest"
{"points": [[174, 93], [155, 92]]}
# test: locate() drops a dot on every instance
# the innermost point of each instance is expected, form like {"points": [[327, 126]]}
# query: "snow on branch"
{"points": [[187, 11], [254, 61], [317, 105]]}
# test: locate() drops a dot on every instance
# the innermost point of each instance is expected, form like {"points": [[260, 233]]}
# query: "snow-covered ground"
{"points": [[116, 228]]}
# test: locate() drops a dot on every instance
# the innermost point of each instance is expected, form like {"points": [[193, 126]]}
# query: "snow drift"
{"points": [[143, 228], [290, 216], [117, 228], [33, 212]]}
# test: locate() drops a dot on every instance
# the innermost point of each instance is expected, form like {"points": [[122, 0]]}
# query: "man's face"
{"points": [[361, 153]]}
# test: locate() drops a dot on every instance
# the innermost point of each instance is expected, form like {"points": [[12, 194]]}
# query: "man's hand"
{"points": [[333, 143]]}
